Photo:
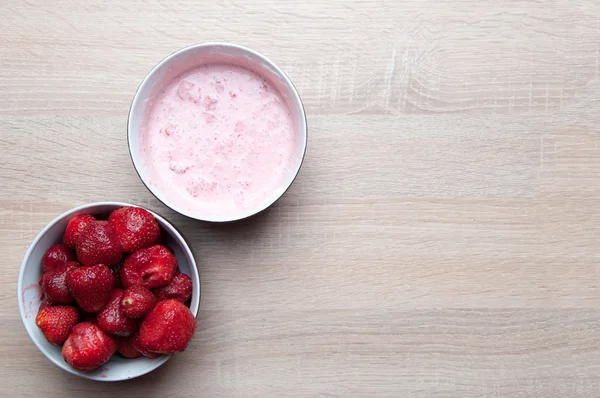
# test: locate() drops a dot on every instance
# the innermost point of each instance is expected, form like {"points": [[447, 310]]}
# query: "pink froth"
{"points": [[218, 140]]}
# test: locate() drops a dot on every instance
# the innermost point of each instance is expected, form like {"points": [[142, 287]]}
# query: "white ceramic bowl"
{"points": [[201, 54], [28, 291]]}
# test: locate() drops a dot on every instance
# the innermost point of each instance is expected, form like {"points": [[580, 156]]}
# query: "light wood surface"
{"points": [[441, 240]]}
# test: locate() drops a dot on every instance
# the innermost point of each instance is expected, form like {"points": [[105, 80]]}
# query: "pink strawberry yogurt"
{"points": [[218, 140]]}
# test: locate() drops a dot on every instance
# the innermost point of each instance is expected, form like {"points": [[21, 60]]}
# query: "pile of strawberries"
{"points": [[111, 287]]}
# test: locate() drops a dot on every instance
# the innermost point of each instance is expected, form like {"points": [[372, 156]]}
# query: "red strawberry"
{"points": [[168, 328], [180, 289], [88, 347], [136, 343], [112, 320], [91, 286], [55, 286], [46, 302], [56, 322], [99, 244], [151, 268], [75, 227], [56, 256], [137, 302], [136, 228], [127, 349]]}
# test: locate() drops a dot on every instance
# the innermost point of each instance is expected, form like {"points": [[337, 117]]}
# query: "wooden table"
{"points": [[442, 237]]}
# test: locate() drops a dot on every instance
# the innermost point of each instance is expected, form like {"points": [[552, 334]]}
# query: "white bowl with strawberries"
{"points": [[109, 291]]}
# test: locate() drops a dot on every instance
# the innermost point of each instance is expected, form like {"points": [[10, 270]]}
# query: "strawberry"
{"points": [[112, 320], [168, 328], [88, 347], [137, 344], [99, 244], [135, 227], [91, 286], [127, 349], [56, 256], [180, 289], [151, 268], [55, 286], [45, 303], [74, 229], [56, 322], [137, 302]]}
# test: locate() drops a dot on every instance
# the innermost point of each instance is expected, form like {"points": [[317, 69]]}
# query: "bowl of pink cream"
{"points": [[217, 132]]}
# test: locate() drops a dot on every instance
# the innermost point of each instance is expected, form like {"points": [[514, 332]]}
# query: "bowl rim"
{"points": [[62, 365], [296, 98]]}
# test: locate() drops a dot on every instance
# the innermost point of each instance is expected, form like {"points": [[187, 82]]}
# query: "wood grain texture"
{"points": [[440, 241]]}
